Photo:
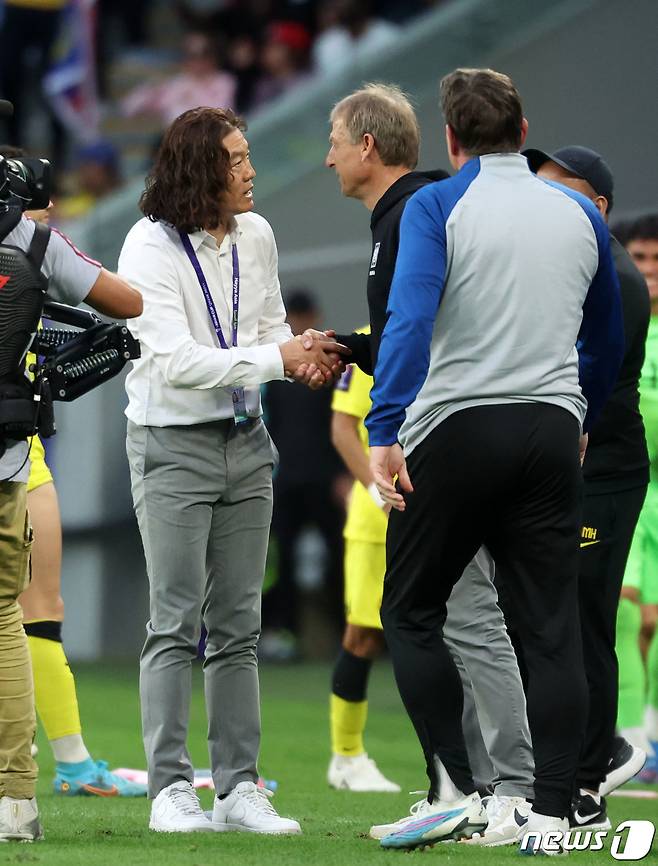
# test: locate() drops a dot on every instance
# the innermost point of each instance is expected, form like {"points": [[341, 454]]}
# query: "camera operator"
{"points": [[55, 695], [73, 277]]}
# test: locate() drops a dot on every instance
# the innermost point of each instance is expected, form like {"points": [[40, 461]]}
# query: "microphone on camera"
{"points": [[6, 108]]}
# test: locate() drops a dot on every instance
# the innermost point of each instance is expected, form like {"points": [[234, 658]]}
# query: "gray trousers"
{"points": [[494, 719], [203, 500]]}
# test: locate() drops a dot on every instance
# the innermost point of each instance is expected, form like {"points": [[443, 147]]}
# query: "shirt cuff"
{"points": [[271, 362], [381, 439], [382, 431]]}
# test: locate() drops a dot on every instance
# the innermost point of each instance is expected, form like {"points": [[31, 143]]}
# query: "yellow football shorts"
{"points": [[365, 565], [39, 472]]}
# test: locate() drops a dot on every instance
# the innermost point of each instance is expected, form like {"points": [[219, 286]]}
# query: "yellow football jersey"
{"points": [[365, 520], [39, 471]]}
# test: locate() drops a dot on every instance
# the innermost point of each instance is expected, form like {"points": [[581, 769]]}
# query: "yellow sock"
{"points": [[348, 722], [54, 688]]}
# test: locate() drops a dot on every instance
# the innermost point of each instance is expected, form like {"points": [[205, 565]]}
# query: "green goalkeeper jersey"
{"points": [[649, 395]]}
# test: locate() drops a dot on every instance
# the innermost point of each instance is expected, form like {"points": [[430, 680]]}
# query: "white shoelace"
{"points": [[185, 800], [417, 810], [495, 807], [259, 798]]}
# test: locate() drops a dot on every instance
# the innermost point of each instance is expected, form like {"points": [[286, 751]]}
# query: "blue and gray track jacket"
{"points": [[504, 292]]}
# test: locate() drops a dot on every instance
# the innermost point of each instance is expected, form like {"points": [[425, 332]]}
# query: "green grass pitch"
{"points": [[113, 832]]}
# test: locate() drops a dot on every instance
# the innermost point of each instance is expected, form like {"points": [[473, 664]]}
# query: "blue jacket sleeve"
{"points": [[404, 354], [601, 339]]}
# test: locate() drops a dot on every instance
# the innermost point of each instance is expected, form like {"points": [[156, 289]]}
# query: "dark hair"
{"points": [[190, 175], [640, 228], [483, 109], [300, 301]]}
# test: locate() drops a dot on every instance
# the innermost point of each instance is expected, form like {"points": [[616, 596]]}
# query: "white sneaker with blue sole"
{"points": [[440, 822]]}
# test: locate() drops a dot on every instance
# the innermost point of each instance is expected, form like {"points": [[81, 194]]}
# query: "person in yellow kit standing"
{"points": [[365, 564]]}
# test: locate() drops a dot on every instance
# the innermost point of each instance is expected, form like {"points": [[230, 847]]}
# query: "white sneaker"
{"points": [[358, 773], [378, 831], [627, 760], [508, 817], [177, 809], [544, 834], [248, 808], [19, 819], [440, 821]]}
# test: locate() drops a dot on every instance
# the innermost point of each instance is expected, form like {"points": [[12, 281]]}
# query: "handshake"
{"points": [[314, 358]]}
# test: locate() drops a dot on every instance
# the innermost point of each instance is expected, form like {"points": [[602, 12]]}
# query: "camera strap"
{"points": [[38, 246]]}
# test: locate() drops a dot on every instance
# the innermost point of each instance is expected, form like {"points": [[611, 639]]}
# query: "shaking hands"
{"points": [[314, 358]]}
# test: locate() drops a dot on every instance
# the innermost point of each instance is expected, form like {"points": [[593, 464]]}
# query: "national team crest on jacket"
{"points": [[373, 260]]}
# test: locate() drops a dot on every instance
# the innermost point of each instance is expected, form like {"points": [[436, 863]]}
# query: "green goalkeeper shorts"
{"points": [[642, 566]]}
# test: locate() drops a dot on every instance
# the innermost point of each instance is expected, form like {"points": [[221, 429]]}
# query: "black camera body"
{"points": [[25, 182], [69, 363]]}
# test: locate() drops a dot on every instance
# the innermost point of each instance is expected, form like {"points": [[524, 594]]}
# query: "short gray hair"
{"points": [[385, 112]]}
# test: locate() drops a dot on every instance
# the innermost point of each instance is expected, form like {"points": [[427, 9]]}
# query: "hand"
{"points": [[308, 338], [387, 461], [377, 499], [310, 335], [309, 374], [318, 365], [582, 447]]}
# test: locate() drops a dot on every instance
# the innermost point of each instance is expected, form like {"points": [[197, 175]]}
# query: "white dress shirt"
{"points": [[184, 376]]}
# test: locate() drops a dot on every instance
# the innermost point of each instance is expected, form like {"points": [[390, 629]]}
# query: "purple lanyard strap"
{"points": [[210, 304]]}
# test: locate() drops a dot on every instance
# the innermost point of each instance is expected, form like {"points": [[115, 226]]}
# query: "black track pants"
{"points": [[609, 521], [506, 476]]}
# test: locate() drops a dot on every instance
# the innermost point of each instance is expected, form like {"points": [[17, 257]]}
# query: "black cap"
{"points": [[585, 163], [6, 108]]}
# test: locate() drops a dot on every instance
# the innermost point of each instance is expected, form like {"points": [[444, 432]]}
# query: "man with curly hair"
{"points": [[201, 460]]}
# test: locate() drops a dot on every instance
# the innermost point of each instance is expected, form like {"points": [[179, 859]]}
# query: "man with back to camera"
{"points": [[213, 330], [374, 148], [616, 475], [489, 411], [74, 278]]}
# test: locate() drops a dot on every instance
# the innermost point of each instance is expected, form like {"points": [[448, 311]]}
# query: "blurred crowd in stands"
{"points": [[75, 69]]}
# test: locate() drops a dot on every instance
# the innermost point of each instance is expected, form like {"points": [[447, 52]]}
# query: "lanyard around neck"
{"points": [[210, 304]]}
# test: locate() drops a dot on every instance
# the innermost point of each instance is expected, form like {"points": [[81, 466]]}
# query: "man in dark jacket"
{"points": [[616, 472], [374, 150]]}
